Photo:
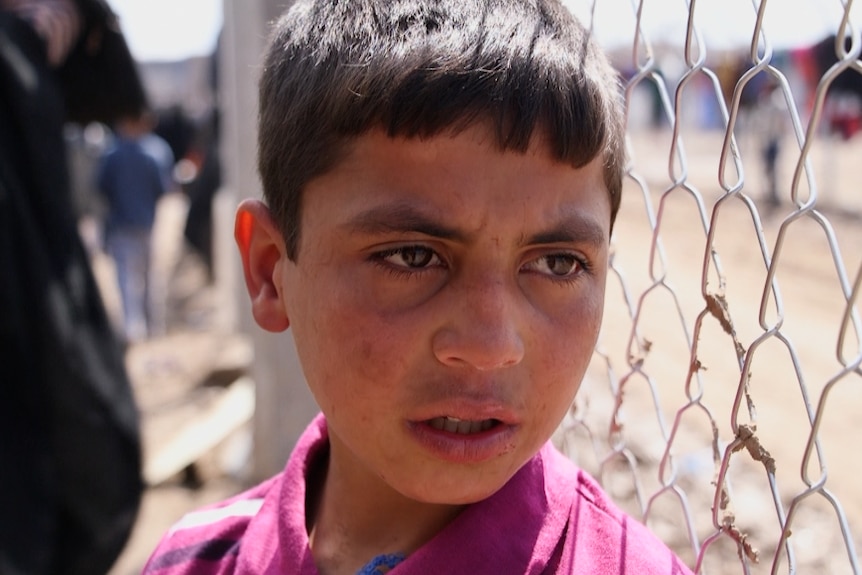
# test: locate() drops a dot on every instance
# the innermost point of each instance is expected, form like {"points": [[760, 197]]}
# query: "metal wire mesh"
{"points": [[721, 404]]}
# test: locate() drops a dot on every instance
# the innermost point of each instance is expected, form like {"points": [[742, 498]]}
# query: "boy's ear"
{"points": [[262, 249]]}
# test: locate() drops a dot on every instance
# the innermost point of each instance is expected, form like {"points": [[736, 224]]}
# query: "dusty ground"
{"points": [[785, 376]]}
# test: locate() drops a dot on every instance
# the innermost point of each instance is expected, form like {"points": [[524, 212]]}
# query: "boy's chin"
{"points": [[453, 491]]}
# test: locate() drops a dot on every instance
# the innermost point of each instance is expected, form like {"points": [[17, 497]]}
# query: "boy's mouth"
{"points": [[482, 434], [461, 426]]}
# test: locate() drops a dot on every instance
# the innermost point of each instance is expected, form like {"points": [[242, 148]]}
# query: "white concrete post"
{"points": [[284, 405]]}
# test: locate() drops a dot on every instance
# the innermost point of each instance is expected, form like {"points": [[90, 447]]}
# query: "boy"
{"points": [[441, 179]]}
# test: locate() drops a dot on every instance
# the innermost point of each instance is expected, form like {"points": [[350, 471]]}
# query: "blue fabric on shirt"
{"points": [[381, 564]]}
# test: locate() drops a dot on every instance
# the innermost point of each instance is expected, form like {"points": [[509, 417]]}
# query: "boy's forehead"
{"points": [[385, 178]]}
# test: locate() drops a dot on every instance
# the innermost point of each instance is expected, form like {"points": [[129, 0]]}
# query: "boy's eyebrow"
{"points": [[399, 218], [572, 228]]}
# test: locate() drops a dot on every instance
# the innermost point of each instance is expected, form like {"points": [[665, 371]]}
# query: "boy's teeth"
{"points": [[460, 426]]}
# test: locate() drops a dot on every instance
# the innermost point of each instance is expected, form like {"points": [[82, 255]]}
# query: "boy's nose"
{"points": [[481, 330]]}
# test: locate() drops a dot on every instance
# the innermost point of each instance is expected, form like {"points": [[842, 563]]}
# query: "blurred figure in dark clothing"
{"points": [[70, 481], [201, 192], [175, 127], [771, 116]]}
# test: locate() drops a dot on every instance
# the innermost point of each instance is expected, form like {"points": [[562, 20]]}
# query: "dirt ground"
{"points": [[793, 370]]}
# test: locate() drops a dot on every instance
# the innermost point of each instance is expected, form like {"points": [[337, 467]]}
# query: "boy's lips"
{"points": [[467, 433], [465, 407], [462, 426]]}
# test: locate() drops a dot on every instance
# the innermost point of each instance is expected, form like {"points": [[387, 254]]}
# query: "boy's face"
{"points": [[445, 302]]}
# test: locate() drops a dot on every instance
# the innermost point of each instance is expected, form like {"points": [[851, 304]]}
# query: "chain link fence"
{"points": [[723, 402]]}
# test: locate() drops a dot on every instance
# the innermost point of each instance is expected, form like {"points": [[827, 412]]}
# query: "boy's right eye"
{"points": [[412, 257]]}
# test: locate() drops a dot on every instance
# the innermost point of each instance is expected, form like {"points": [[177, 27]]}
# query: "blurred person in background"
{"points": [[770, 121], [198, 229], [70, 470], [201, 192], [133, 174]]}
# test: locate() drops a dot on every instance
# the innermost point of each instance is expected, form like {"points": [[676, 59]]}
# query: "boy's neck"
{"points": [[356, 517]]}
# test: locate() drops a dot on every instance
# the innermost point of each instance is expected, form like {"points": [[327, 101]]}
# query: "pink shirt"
{"points": [[549, 518]]}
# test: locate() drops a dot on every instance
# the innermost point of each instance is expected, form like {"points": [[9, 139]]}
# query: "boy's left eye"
{"points": [[558, 265], [414, 257]]}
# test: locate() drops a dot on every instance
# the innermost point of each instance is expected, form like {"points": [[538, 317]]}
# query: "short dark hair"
{"points": [[337, 68]]}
